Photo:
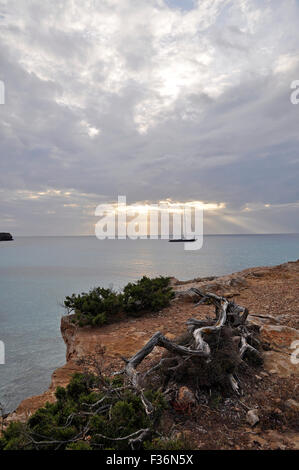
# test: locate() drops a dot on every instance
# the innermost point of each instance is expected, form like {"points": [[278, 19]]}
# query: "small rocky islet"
{"points": [[5, 236]]}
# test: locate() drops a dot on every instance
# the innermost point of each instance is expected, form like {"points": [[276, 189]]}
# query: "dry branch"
{"points": [[199, 351]]}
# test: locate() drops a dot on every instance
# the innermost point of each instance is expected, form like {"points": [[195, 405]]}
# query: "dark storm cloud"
{"points": [[148, 100]]}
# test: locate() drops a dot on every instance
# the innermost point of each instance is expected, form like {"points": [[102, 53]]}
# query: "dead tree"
{"points": [[215, 349]]}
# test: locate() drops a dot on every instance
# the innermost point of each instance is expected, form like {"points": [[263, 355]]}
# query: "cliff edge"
{"points": [[272, 296]]}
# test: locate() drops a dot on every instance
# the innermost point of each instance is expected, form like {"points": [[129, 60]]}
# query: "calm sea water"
{"points": [[36, 273]]}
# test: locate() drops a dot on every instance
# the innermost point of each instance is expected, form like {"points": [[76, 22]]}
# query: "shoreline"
{"points": [[254, 287]]}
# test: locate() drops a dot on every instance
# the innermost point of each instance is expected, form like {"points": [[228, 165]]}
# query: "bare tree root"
{"points": [[208, 354]]}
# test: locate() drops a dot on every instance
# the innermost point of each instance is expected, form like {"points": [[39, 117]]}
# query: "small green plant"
{"points": [[147, 295], [80, 445], [100, 306], [90, 413], [96, 307]]}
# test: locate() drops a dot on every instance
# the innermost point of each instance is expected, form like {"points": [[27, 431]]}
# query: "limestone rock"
{"points": [[186, 296], [280, 338], [252, 417]]}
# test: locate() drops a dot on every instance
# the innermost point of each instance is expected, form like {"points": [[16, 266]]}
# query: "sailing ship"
{"points": [[184, 238], [173, 240]]}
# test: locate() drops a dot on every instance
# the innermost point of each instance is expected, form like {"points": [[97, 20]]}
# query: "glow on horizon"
{"points": [[168, 206]]}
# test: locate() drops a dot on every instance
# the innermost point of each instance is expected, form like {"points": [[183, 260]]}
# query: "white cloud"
{"points": [[141, 98], [286, 63], [90, 130]]}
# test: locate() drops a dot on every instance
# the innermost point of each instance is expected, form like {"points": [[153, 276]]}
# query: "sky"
{"points": [[183, 100]]}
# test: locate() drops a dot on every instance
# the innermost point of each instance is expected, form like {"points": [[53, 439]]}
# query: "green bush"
{"points": [[100, 306], [14, 437], [61, 425], [147, 295], [80, 445], [95, 307]]}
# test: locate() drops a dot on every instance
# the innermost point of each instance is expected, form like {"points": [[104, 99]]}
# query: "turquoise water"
{"points": [[36, 273]]}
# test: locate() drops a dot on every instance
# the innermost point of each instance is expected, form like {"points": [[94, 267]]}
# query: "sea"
{"points": [[36, 273]]}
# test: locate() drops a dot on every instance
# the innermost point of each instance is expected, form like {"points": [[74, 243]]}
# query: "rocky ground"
{"points": [[266, 415]]}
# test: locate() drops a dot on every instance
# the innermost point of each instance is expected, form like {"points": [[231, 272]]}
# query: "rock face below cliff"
{"points": [[271, 294], [5, 236]]}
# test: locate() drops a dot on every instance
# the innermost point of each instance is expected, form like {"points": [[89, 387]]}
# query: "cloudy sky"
{"points": [[152, 99]]}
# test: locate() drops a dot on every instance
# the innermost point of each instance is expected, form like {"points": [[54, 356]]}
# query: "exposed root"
{"points": [[208, 355]]}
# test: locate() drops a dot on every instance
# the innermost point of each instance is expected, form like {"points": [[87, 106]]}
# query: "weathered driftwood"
{"points": [[228, 314]]}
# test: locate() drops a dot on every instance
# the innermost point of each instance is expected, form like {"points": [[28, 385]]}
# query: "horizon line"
{"points": [[204, 235]]}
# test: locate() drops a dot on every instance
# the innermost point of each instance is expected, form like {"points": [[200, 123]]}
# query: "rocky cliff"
{"points": [[5, 236], [272, 296]]}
